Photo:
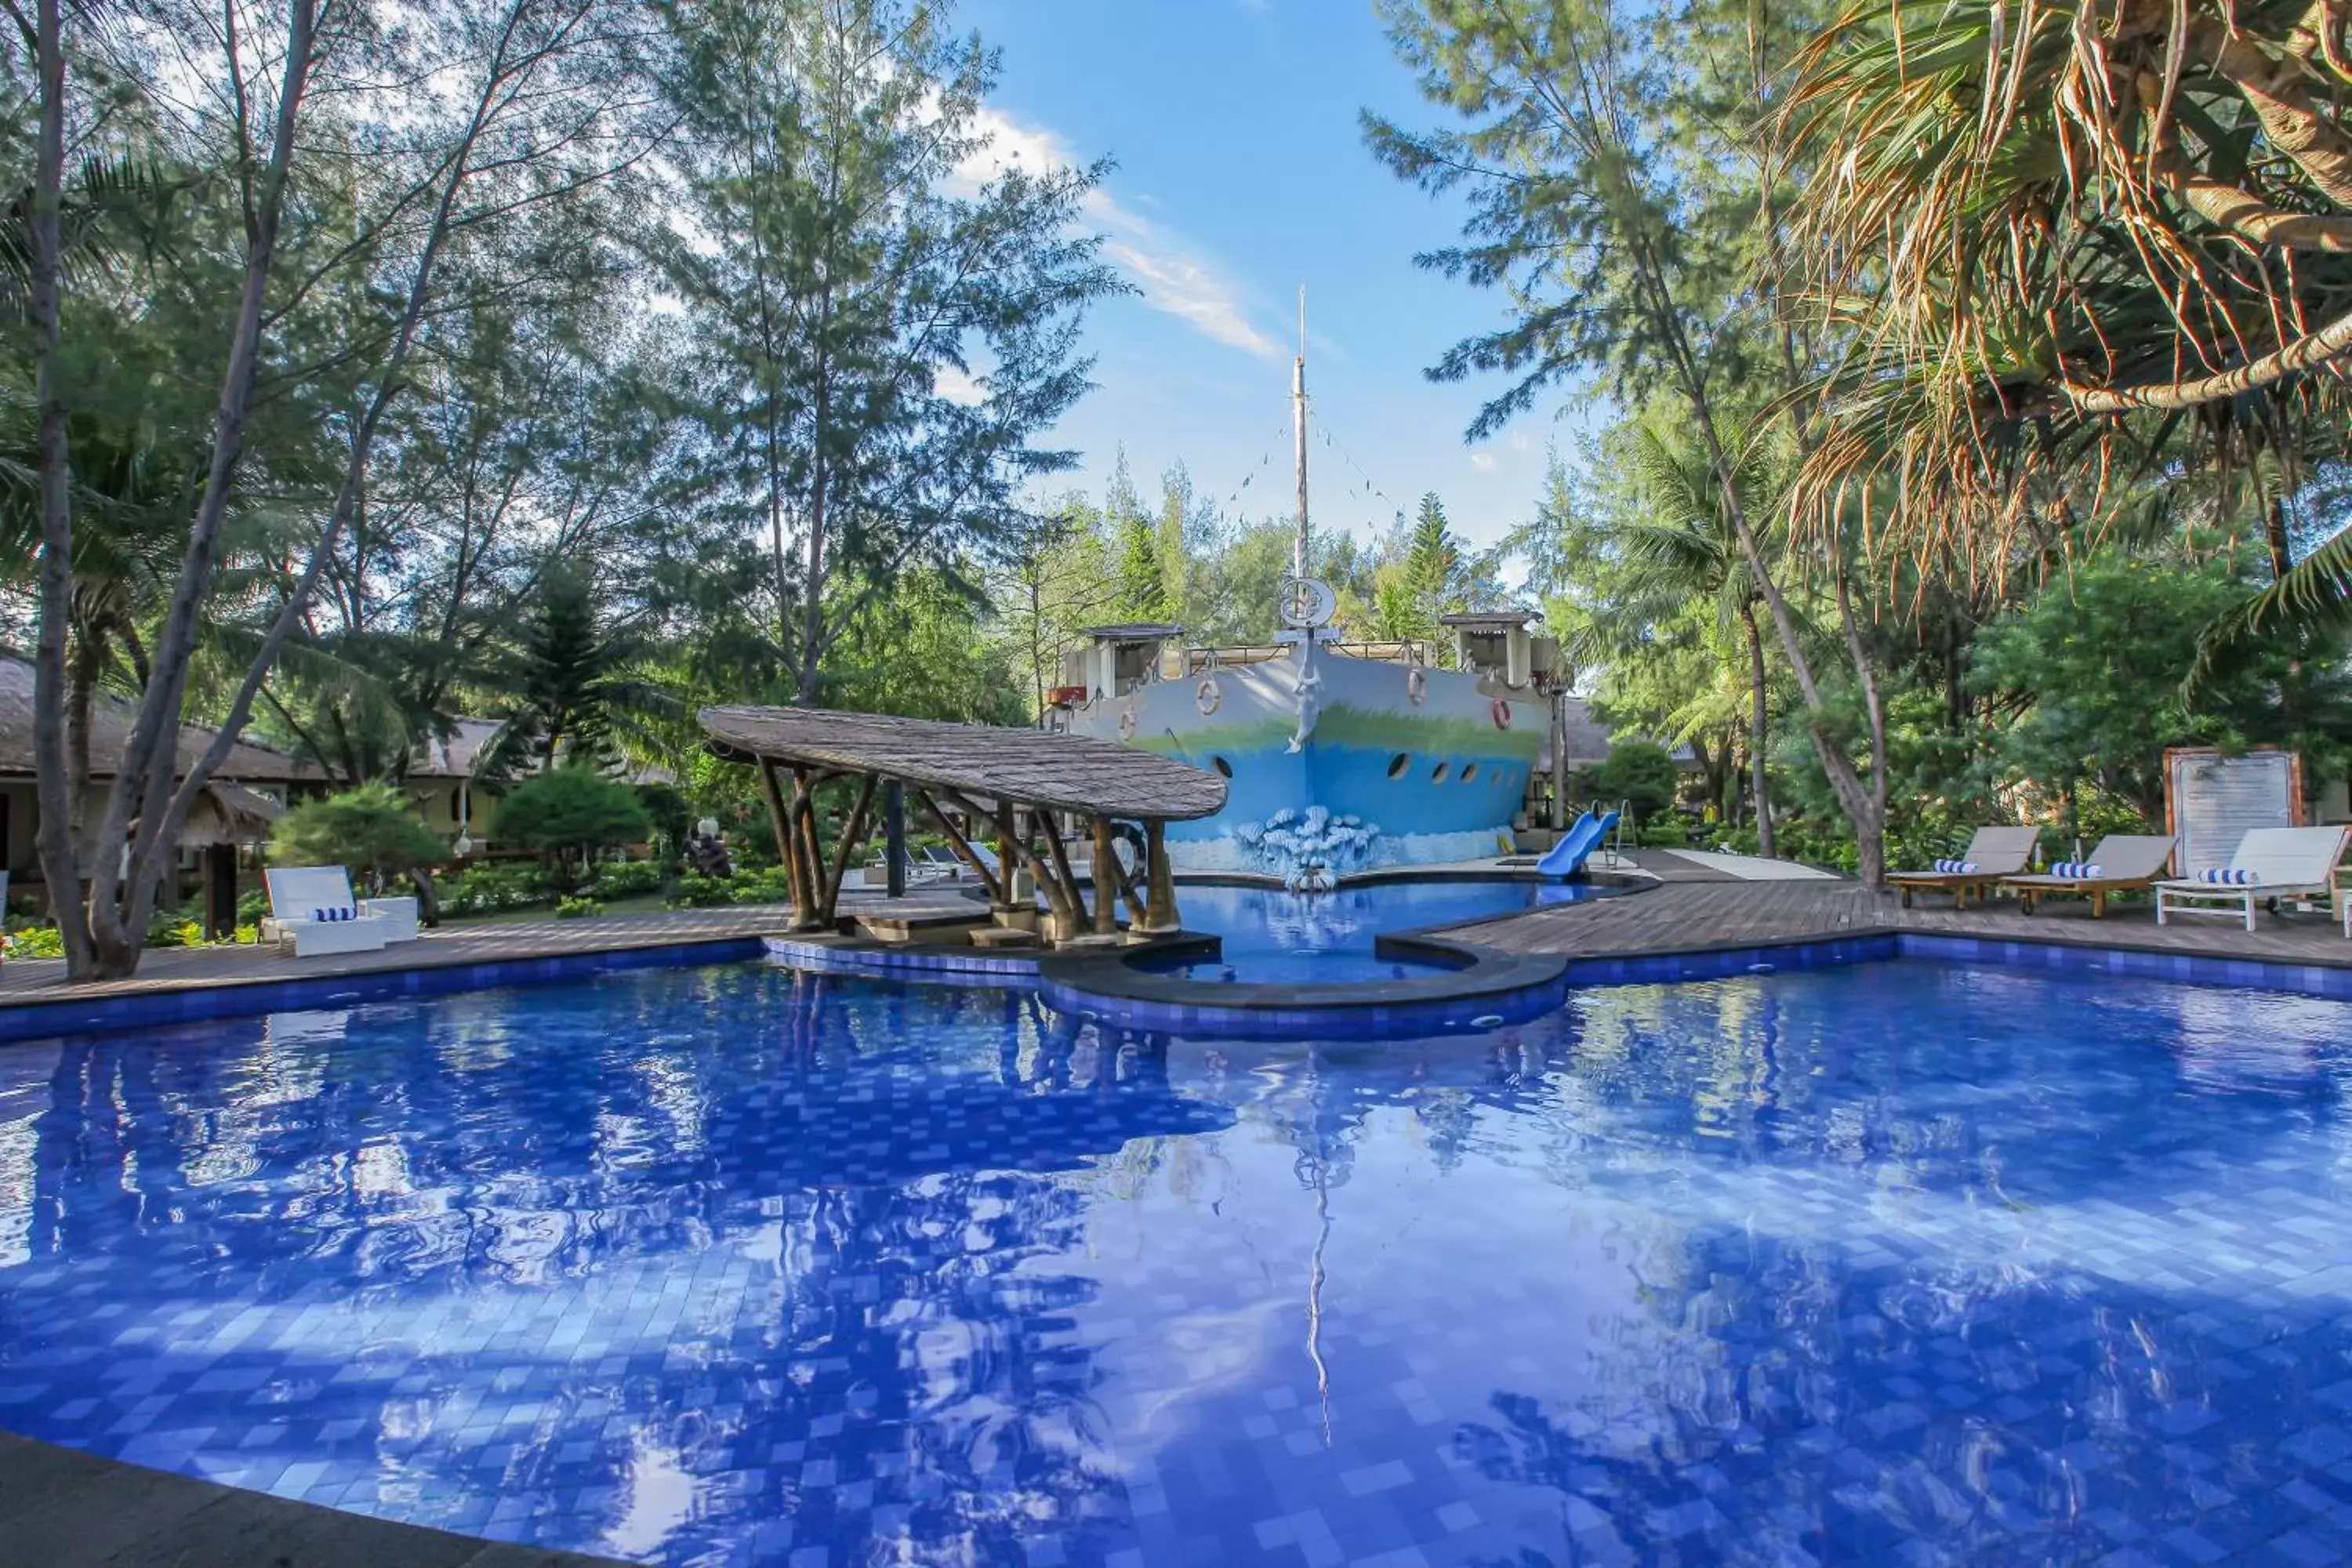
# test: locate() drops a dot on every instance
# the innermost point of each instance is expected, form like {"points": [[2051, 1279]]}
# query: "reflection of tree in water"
{"points": [[1779, 1404], [792, 1238], [1807, 1393]]}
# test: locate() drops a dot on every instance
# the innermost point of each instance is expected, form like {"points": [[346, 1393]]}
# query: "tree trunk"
{"points": [[53, 789], [428, 900], [1759, 729], [2274, 535], [117, 908], [1869, 823]]}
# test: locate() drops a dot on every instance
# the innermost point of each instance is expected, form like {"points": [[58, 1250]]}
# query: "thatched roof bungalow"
{"points": [[247, 790]]}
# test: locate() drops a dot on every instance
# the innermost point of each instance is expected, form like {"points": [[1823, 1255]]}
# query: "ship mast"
{"points": [[1298, 436]]}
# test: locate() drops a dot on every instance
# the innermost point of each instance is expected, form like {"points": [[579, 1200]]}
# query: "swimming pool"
{"points": [[1895, 1263], [1272, 937]]}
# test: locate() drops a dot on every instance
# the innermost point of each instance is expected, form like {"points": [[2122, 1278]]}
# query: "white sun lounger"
{"points": [[2281, 863], [313, 908]]}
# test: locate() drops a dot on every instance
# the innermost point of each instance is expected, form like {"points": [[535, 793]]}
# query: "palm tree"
{"points": [[1691, 550]]}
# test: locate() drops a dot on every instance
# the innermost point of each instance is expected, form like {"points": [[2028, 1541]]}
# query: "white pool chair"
{"points": [[2270, 863], [312, 907]]}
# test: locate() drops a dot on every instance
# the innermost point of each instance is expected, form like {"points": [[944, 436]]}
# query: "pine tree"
{"points": [[1142, 570], [1434, 562]]}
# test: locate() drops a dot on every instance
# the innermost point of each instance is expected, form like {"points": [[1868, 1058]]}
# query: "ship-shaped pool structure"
{"points": [[1340, 757]]}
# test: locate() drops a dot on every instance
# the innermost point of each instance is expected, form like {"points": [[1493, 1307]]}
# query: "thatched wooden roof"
{"points": [[227, 814], [111, 721], [1025, 767]]}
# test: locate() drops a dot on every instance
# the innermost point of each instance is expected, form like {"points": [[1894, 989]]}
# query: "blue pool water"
{"points": [[1273, 937], [1887, 1265]]}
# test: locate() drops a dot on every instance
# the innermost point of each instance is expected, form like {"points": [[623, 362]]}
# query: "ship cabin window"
{"points": [[1224, 767], [1136, 664], [1469, 772], [1437, 775], [1398, 763]]}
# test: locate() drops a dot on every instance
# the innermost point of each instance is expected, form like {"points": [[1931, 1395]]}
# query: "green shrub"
{"points": [[494, 890], [757, 885], [34, 942], [1669, 833], [569, 813], [626, 880], [576, 909], [1639, 773], [372, 829]]}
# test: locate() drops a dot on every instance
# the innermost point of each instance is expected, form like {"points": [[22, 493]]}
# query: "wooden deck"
{"points": [[1694, 911], [29, 980]]}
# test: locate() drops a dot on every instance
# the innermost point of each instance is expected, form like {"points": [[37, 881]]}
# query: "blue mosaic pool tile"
{"points": [[755, 1266]]}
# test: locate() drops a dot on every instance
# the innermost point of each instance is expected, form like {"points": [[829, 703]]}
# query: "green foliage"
{"points": [[572, 908], [28, 941], [626, 880], [372, 829], [569, 813], [1640, 773], [495, 889], [2094, 661], [841, 285], [763, 885], [1144, 592]]}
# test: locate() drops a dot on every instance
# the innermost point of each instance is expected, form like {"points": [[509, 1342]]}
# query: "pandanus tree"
{"points": [[2071, 247]]}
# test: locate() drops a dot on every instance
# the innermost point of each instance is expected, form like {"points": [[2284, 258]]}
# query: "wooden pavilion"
{"points": [[1019, 781]]}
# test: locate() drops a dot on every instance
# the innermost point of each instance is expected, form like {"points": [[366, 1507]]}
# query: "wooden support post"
{"points": [[1107, 880], [963, 847], [812, 848], [1160, 908], [1056, 891], [787, 839], [894, 838], [1059, 858], [853, 836]]}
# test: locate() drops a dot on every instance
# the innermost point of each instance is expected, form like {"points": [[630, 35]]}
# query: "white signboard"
{"points": [[2211, 801]]}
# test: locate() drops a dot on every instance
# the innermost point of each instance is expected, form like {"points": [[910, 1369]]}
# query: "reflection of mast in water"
{"points": [[1323, 1160], [1315, 1287]]}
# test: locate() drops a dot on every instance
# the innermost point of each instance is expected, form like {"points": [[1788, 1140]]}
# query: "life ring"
{"points": [[1416, 685], [1502, 712], [1206, 696], [1126, 724]]}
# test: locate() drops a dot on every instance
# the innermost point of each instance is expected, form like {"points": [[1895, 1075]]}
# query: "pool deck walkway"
{"points": [[31, 981], [63, 1508], [1696, 909]]}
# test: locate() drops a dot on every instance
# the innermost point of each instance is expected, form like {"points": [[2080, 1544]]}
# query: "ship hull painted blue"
{"points": [[1438, 762], [1352, 780]]}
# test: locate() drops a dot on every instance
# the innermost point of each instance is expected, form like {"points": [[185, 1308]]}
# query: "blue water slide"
{"points": [[1568, 857]]}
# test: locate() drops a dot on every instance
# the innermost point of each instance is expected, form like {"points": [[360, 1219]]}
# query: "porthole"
{"points": [[1469, 772], [1398, 763], [1224, 767], [1437, 775]]}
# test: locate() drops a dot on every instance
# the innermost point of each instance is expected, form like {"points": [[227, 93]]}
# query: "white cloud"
{"points": [[958, 387], [1483, 462], [1171, 275]]}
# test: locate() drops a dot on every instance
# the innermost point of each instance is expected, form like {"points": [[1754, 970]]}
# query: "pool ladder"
{"points": [[1613, 846]]}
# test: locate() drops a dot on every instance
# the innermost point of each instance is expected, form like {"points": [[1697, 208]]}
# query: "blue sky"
{"points": [[1241, 175]]}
